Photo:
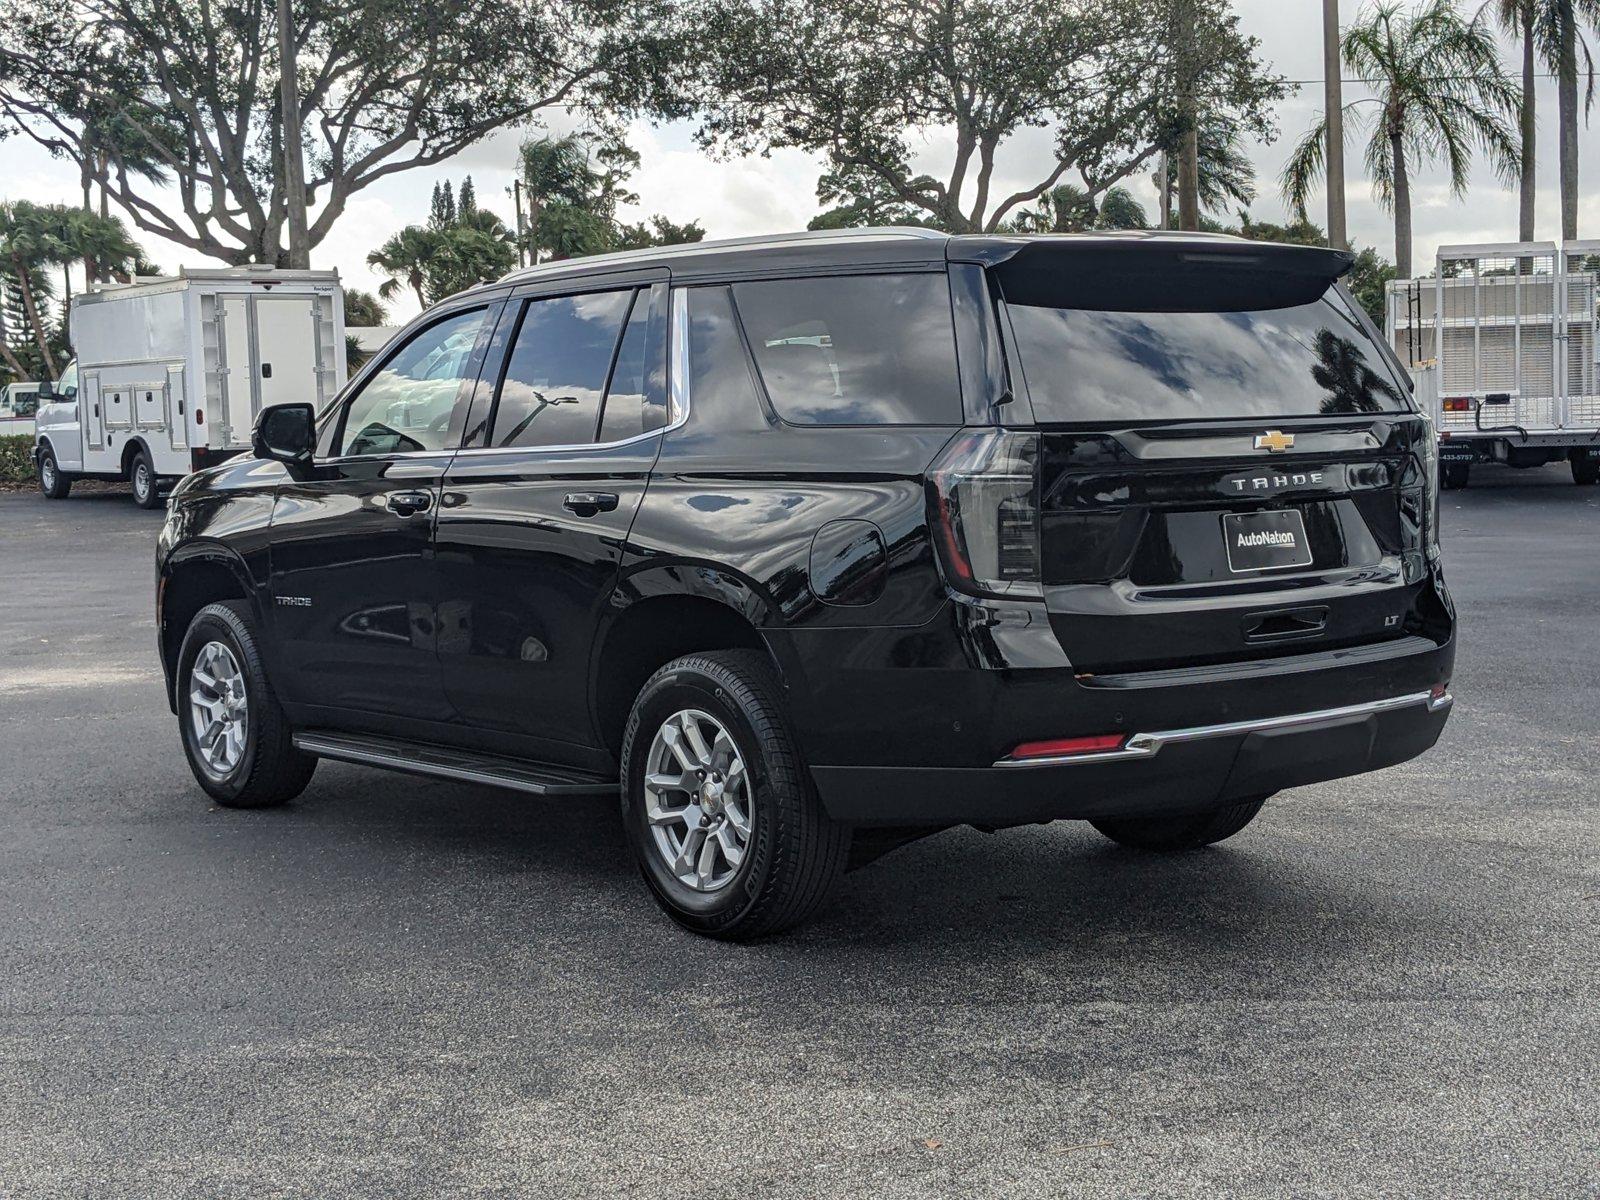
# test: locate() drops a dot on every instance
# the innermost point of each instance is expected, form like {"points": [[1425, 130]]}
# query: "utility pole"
{"points": [[1333, 105], [522, 233], [294, 171]]}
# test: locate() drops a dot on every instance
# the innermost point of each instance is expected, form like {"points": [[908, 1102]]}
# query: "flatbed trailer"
{"points": [[1501, 341]]}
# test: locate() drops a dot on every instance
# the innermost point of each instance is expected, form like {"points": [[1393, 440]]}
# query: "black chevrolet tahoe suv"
{"points": [[806, 546]]}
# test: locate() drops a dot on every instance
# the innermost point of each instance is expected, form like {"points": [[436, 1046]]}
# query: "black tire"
{"points": [[1585, 471], [142, 475], [1166, 834], [1454, 475], [795, 852], [270, 770], [53, 482]]}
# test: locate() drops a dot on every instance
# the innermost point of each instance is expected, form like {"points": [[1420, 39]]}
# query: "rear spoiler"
{"points": [[1155, 273]]}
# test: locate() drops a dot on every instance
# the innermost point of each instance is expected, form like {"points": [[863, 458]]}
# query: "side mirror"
{"points": [[285, 433], [47, 391]]}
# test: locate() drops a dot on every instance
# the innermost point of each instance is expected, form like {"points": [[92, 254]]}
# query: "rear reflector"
{"points": [[1065, 747], [1457, 404]]}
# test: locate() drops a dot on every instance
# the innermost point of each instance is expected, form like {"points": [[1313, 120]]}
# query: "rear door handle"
{"points": [[409, 504], [587, 504]]}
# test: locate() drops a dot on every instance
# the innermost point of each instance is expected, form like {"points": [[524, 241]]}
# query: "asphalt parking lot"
{"points": [[396, 987]]}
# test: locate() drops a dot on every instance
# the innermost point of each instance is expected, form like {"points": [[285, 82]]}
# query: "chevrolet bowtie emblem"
{"points": [[1274, 441]]}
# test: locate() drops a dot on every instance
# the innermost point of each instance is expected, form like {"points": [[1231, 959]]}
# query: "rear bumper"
{"points": [[1189, 769]]}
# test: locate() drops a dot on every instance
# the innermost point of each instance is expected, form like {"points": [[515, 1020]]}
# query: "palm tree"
{"points": [[1551, 34], [405, 258], [1067, 208], [1439, 93], [553, 171], [102, 243], [26, 245], [1226, 178]]}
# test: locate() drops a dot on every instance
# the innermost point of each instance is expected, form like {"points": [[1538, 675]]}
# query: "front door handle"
{"points": [[587, 504], [408, 504]]}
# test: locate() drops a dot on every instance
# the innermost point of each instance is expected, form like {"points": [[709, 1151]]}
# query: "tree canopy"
{"points": [[187, 90], [866, 82]]}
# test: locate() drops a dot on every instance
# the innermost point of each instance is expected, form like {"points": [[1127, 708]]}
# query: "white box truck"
{"points": [[170, 373]]}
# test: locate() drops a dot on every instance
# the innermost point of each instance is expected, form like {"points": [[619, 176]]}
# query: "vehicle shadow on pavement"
{"points": [[958, 900]]}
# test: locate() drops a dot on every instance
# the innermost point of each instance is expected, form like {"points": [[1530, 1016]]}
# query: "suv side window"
{"points": [[855, 349], [556, 372], [407, 404]]}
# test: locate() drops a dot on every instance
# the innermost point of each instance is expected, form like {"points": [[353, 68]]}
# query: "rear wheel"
{"points": [[1585, 471], [237, 739], [1454, 475], [730, 835], [142, 475], [1181, 833], [53, 482]]}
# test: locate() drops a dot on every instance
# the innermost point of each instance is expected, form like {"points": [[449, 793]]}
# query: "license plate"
{"points": [[1263, 540]]}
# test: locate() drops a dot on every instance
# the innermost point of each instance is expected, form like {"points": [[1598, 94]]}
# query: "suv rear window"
{"points": [[855, 349], [1309, 359]]}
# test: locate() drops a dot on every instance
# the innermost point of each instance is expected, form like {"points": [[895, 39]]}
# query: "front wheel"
{"points": [[53, 482], [142, 475], [237, 739], [1181, 833], [730, 835]]}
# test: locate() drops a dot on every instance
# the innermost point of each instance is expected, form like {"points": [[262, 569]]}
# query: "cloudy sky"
{"points": [[764, 195]]}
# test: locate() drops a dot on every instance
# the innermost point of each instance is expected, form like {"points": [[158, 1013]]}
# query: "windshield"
{"points": [[1305, 360]]}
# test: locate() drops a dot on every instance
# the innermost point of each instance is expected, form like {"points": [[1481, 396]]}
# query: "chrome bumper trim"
{"points": [[1146, 745]]}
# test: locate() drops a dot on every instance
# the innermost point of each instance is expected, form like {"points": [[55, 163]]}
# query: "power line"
{"points": [[1506, 75]]}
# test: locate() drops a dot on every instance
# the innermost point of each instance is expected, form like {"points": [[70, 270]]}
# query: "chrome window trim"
{"points": [[677, 392], [1147, 745]]}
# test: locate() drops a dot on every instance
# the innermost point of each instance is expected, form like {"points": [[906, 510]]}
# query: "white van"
{"points": [[170, 373], [18, 403]]}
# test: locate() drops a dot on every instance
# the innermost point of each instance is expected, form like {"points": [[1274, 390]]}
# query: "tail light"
{"points": [[1457, 404], [1104, 743], [1428, 455], [985, 487]]}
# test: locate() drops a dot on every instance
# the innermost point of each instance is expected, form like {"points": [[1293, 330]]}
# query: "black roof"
{"points": [[908, 246]]}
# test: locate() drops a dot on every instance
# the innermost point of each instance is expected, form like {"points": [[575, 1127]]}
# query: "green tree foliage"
{"points": [[1440, 93], [461, 246], [1066, 208], [1551, 33], [572, 187], [860, 82], [36, 237], [385, 86], [1227, 178], [658, 231], [362, 308]]}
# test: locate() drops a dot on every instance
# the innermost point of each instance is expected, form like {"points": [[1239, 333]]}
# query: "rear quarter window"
{"points": [[855, 349]]}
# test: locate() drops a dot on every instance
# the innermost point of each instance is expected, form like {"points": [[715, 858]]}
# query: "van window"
{"points": [[855, 349], [556, 372], [1305, 360]]}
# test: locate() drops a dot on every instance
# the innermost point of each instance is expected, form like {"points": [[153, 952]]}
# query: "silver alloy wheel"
{"points": [[47, 471], [218, 708], [141, 479], [698, 800]]}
